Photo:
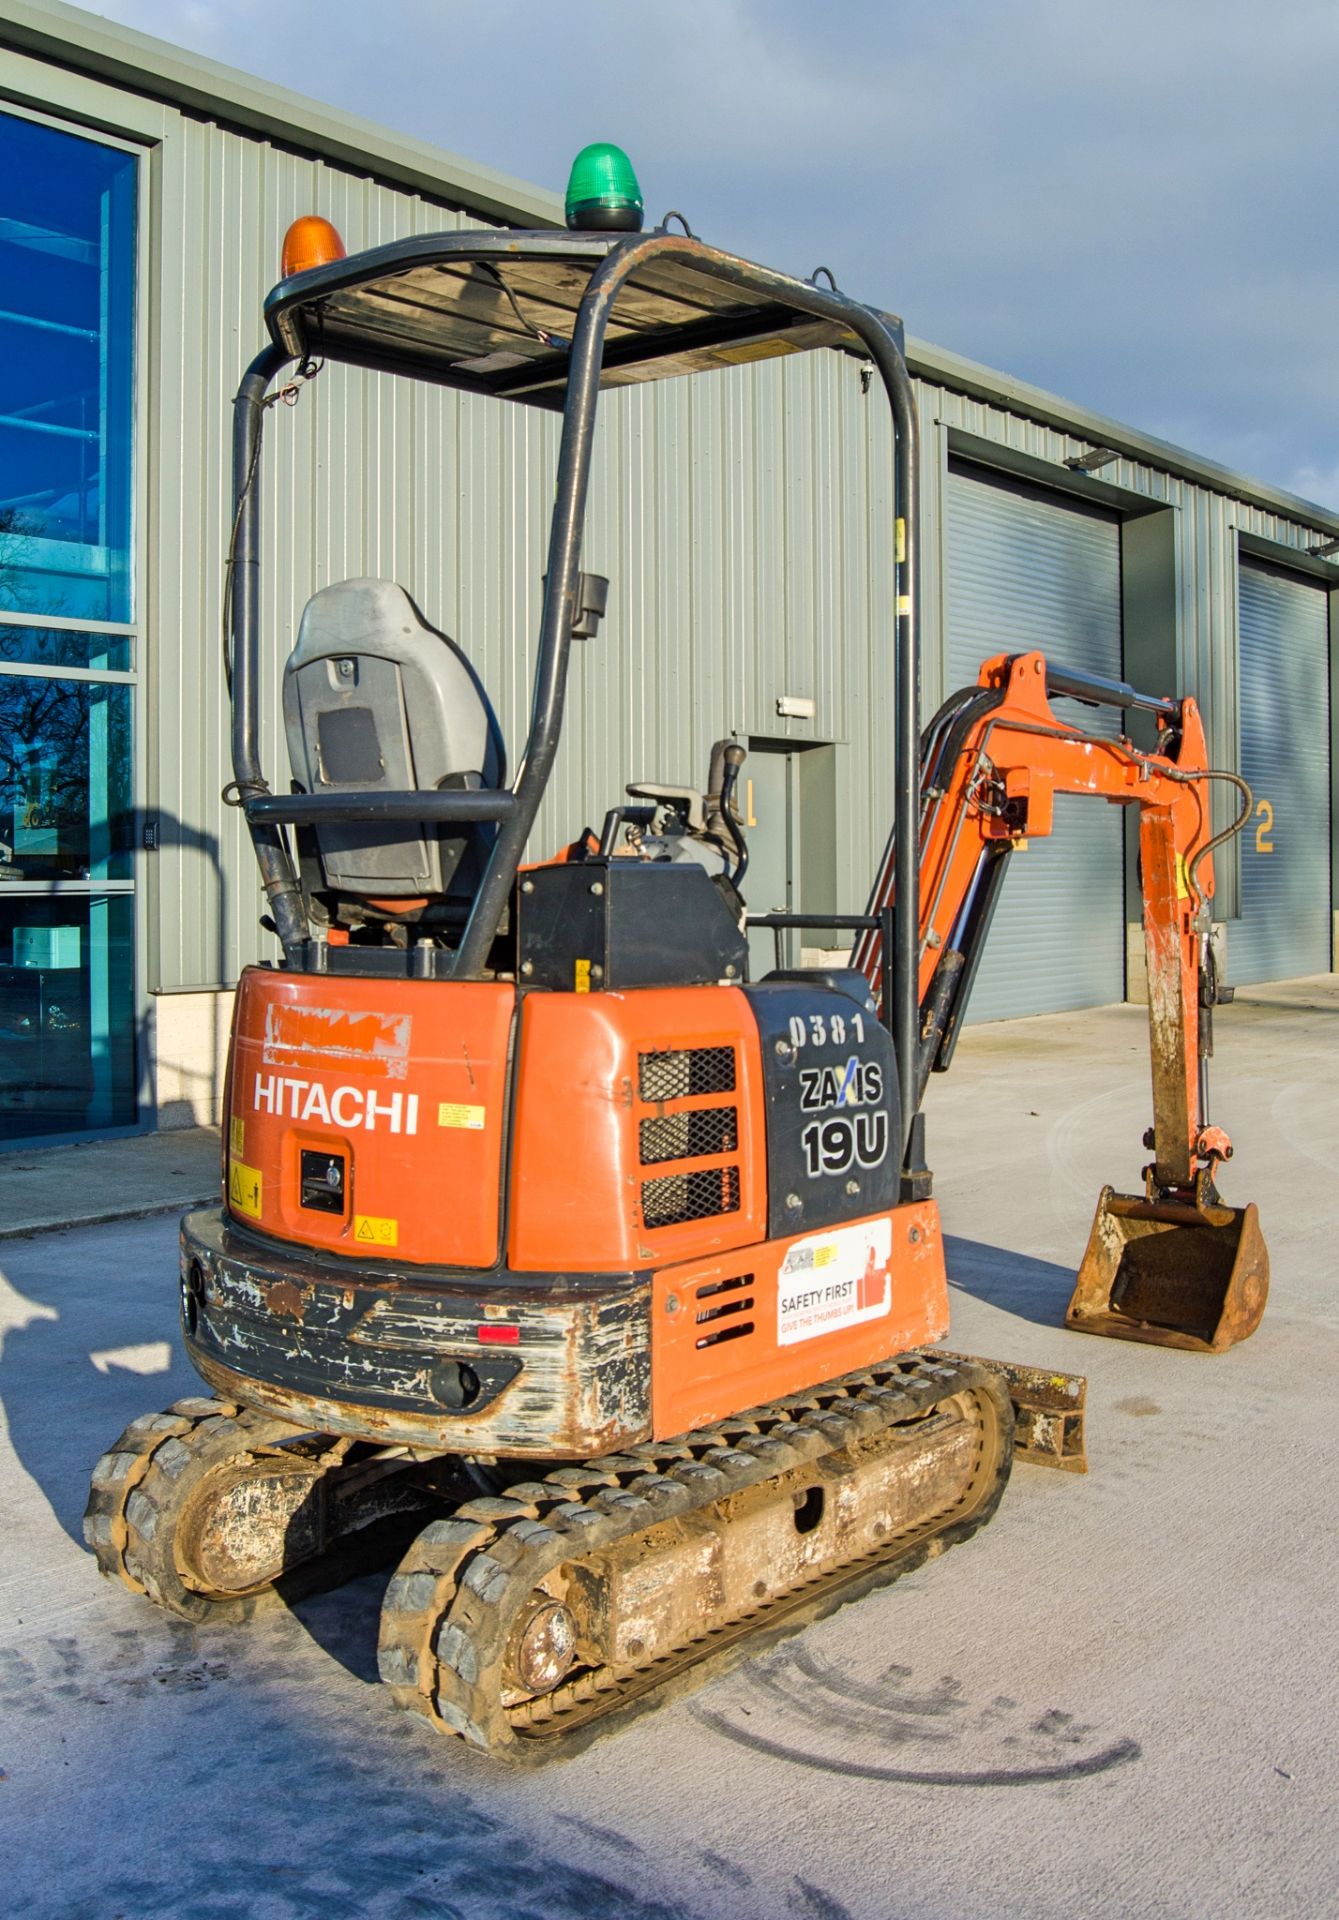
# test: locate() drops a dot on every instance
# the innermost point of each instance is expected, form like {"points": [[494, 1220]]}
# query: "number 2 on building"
{"points": [[1265, 814]]}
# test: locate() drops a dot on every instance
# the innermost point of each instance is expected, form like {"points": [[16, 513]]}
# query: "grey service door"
{"points": [[1027, 569], [1284, 929]]}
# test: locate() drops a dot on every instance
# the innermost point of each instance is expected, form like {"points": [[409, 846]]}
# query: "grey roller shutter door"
{"points": [[1284, 929], [1028, 570]]}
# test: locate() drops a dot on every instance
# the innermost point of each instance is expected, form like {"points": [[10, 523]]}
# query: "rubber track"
{"points": [[136, 1496], [449, 1608], [120, 1471]]}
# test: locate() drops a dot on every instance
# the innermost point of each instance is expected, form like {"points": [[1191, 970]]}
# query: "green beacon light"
{"points": [[602, 191]]}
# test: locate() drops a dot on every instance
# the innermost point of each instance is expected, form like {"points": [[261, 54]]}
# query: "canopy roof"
{"points": [[495, 312]]}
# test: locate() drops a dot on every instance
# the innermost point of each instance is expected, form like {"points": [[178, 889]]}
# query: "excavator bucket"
{"points": [[1171, 1275]]}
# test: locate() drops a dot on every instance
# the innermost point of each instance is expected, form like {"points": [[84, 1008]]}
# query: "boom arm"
{"points": [[992, 762]]}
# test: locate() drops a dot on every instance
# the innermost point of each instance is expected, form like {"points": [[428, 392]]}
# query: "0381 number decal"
{"points": [[826, 1029]]}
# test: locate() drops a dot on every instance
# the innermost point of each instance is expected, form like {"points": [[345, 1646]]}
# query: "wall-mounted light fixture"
{"points": [[796, 706], [1325, 551], [1094, 458]]}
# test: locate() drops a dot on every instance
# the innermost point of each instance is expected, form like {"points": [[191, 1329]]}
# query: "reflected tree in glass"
{"points": [[65, 779]]}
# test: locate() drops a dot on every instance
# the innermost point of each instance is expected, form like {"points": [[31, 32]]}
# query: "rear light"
{"points": [[499, 1336]]}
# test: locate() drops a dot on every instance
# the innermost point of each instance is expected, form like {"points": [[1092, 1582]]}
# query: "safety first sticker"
{"points": [[244, 1189], [834, 1280], [455, 1113], [373, 1231]]}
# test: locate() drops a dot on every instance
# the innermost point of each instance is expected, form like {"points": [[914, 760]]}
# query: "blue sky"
{"points": [[1131, 202]]}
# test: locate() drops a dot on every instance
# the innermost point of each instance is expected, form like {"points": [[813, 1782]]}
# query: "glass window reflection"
{"points": [[65, 647], [67, 1000], [65, 780], [67, 241]]}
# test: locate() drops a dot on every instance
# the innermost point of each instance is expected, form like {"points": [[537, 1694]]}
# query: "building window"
{"points": [[67, 641], [65, 779], [67, 1050], [67, 287]]}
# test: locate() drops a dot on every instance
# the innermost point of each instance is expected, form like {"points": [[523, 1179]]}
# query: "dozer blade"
{"points": [[1171, 1275], [1049, 1412]]}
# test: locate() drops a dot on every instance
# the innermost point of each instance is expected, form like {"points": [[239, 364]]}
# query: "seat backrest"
{"points": [[376, 700]]}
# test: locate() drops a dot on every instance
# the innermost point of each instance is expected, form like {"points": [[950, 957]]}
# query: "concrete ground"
{"points": [[48, 1187], [1117, 1700]]}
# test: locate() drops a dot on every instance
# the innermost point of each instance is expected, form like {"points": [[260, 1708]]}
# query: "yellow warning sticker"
{"points": [[451, 1113], [581, 976], [901, 536], [374, 1232], [237, 1136], [244, 1189], [1182, 878], [826, 1254]]}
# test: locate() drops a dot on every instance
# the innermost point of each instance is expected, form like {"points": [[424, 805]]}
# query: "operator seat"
{"points": [[378, 701]]}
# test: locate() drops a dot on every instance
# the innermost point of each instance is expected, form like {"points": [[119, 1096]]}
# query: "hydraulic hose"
{"points": [[1228, 833]]}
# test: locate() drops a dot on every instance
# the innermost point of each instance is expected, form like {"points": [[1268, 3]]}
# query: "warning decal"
{"points": [[244, 1189], [452, 1113], [374, 1232], [834, 1280]]}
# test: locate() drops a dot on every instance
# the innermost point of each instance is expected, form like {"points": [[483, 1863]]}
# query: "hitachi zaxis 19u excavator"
{"points": [[604, 1276]]}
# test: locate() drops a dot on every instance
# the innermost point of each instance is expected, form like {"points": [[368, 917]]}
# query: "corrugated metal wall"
{"points": [[743, 520]]}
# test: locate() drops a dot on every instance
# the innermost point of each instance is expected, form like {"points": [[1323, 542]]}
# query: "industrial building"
{"points": [[144, 194]]}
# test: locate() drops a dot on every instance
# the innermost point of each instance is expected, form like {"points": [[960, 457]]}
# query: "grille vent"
{"points": [[689, 1135], [690, 1196], [723, 1319], [685, 1074]]}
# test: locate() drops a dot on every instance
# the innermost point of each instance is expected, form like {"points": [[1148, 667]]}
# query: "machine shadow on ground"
{"points": [[93, 1342], [53, 1324], [1032, 1289], [433, 1844], [344, 1621]]}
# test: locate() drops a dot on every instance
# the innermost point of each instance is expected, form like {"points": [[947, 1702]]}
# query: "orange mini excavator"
{"points": [[604, 1275]]}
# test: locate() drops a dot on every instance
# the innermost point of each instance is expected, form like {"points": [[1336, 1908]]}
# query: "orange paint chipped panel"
{"points": [[359, 1088], [369, 1041]]}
